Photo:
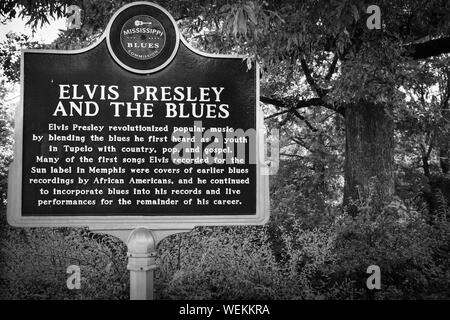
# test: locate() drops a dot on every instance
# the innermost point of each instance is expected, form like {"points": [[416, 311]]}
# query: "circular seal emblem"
{"points": [[143, 37]]}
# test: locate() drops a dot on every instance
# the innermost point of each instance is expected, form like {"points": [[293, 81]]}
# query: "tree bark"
{"points": [[369, 169], [444, 159], [426, 166]]}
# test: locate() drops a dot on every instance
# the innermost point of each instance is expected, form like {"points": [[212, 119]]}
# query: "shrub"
{"points": [[238, 263], [33, 264], [408, 250]]}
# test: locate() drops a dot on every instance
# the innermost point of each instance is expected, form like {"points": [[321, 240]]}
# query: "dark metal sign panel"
{"points": [[139, 129]]}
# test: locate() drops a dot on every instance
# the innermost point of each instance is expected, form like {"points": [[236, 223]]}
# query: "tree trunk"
{"points": [[319, 167], [369, 148], [426, 166], [444, 159]]}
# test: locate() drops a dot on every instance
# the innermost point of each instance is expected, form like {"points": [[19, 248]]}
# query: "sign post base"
{"points": [[141, 263], [141, 243]]}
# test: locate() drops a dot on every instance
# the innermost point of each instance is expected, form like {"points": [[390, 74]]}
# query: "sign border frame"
{"points": [[122, 222]]}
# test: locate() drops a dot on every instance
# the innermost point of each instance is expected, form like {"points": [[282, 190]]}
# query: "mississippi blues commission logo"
{"points": [[143, 37]]}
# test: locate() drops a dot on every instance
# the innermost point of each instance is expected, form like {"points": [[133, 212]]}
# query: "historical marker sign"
{"points": [[137, 130]]}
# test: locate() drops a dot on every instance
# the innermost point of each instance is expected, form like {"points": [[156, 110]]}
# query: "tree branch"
{"points": [[313, 102], [275, 102], [301, 143], [309, 78], [181, 18], [332, 68], [291, 155], [300, 104], [429, 48], [308, 124], [447, 92]]}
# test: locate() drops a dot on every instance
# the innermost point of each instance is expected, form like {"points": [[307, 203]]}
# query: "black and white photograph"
{"points": [[224, 157]]}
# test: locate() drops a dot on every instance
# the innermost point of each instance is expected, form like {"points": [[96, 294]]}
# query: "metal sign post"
{"points": [[142, 253], [141, 263]]}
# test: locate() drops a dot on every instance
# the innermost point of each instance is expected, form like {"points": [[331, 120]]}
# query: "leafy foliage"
{"points": [[6, 141], [33, 264], [409, 251], [238, 263], [10, 54]]}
